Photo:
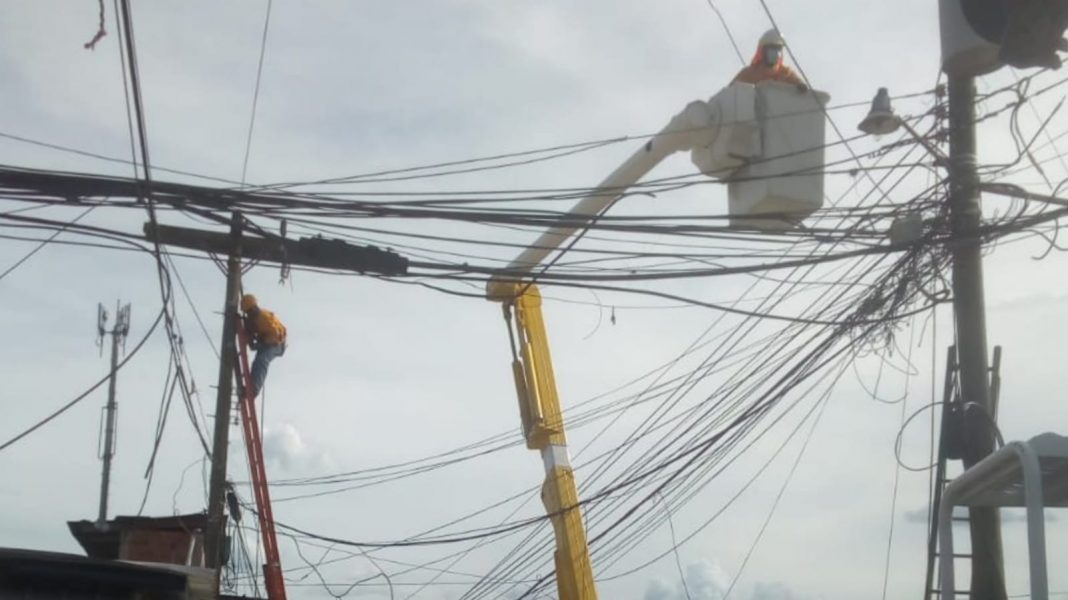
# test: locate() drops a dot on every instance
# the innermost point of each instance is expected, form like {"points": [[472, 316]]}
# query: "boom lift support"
{"points": [[740, 132]]}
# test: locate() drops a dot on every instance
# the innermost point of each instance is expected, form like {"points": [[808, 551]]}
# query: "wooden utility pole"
{"points": [[312, 252], [215, 536], [988, 579]]}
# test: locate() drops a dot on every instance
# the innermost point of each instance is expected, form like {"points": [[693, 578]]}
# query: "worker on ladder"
{"points": [[768, 65], [267, 336]]}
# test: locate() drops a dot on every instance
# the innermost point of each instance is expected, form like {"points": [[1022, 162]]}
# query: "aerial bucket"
{"points": [[770, 151]]}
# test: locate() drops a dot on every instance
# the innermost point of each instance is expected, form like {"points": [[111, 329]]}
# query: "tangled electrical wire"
{"points": [[817, 297]]}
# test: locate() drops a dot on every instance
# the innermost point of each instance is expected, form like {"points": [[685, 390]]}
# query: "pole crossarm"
{"points": [[310, 252]]}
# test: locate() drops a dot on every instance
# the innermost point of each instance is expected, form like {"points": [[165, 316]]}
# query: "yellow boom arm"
{"points": [[539, 403], [543, 426]]}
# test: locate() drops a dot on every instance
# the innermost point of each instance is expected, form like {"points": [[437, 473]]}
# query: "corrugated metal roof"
{"points": [[40, 570]]}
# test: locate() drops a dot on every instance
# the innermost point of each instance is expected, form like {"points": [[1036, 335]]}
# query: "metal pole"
{"points": [[109, 432], [988, 581], [215, 535]]}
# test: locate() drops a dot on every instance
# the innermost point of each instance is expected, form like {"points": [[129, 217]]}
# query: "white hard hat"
{"points": [[771, 37]]}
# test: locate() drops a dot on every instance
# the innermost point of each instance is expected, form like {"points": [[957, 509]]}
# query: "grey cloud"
{"points": [[919, 515], [1031, 301], [707, 581], [378, 373], [704, 581], [773, 591]]}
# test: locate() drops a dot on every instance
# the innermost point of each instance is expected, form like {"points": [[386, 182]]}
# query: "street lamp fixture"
{"points": [[881, 120]]}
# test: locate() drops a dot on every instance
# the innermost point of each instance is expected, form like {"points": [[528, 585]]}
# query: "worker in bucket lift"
{"points": [[767, 64], [267, 336]]}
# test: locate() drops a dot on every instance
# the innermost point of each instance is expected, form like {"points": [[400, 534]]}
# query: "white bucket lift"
{"points": [[765, 133], [770, 149], [765, 140], [1031, 474]]}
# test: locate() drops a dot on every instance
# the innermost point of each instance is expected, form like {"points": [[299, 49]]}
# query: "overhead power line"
{"points": [[86, 393], [730, 36], [256, 93], [44, 243]]}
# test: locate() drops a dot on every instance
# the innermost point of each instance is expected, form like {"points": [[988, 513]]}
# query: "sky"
{"points": [[379, 373]]}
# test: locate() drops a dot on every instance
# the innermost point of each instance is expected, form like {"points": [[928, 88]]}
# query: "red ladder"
{"points": [[272, 570]]}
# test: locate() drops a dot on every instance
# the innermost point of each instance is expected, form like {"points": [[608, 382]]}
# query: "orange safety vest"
{"points": [[757, 72], [265, 326]]}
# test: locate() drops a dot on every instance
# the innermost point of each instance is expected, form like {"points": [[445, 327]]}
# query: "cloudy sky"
{"points": [[380, 373]]}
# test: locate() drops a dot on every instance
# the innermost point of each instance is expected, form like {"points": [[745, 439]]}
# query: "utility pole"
{"points": [[988, 580], [118, 335], [254, 243], [215, 535]]}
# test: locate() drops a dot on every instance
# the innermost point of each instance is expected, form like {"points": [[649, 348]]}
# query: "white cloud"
{"points": [[706, 580], [773, 591], [285, 448]]}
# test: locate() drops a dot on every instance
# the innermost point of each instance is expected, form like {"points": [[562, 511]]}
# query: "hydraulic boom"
{"points": [[539, 403], [748, 135]]}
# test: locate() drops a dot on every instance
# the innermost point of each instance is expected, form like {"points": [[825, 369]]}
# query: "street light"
{"points": [[881, 120]]}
